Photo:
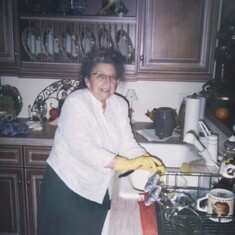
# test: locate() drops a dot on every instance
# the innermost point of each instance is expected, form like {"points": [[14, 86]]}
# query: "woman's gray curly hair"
{"points": [[105, 55]]}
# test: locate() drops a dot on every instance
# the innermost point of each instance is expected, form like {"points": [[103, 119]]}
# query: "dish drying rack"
{"points": [[188, 222]]}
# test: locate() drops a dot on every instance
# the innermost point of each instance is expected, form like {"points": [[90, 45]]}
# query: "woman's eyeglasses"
{"points": [[103, 77]]}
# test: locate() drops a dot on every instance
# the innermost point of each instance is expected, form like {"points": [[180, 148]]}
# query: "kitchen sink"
{"points": [[172, 155]]}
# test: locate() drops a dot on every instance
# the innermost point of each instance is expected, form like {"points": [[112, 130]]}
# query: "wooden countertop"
{"points": [[46, 135], [33, 138]]}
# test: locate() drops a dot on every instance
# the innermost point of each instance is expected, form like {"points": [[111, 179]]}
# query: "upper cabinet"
{"points": [[177, 39], [9, 55], [159, 39], [55, 35]]}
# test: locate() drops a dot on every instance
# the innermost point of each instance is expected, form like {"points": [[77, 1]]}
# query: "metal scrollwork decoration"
{"points": [[57, 91]]}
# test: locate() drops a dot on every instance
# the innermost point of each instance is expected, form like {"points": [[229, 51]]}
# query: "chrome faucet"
{"points": [[191, 138]]}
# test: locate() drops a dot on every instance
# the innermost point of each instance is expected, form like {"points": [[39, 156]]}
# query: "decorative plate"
{"points": [[8, 94], [31, 41], [87, 41], [52, 45], [105, 39], [70, 45], [125, 46]]}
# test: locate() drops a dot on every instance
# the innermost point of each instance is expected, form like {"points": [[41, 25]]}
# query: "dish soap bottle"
{"points": [[212, 146]]}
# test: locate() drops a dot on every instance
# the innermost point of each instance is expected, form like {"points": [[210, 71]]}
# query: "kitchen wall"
{"points": [[151, 94]]}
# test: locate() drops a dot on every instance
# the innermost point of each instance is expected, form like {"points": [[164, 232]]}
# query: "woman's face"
{"points": [[102, 82]]}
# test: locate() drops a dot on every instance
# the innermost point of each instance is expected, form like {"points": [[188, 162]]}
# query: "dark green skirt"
{"points": [[63, 212]]}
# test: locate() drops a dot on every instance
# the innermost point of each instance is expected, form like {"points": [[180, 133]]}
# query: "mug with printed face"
{"points": [[220, 205]]}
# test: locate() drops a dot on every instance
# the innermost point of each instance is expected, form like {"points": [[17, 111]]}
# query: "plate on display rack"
{"points": [[70, 46], [105, 39], [32, 44], [52, 45], [125, 46], [10, 99], [87, 41]]}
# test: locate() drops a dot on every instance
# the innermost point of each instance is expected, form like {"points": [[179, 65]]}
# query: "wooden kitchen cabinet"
{"points": [[12, 207], [33, 182], [12, 203], [21, 174], [161, 39], [35, 163], [177, 39], [9, 41]]}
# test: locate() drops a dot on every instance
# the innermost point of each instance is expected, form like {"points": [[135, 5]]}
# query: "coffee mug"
{"points": [[220, 205]]}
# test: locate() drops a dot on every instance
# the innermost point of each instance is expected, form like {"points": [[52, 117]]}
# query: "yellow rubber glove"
{"points": [[160, 166], [145, 162]]}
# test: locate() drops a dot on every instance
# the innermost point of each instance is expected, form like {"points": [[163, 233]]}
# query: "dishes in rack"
{"points": [[105, 39], [125, 46], [70, 45], [87, 41], [31, 40], [52, 44]]}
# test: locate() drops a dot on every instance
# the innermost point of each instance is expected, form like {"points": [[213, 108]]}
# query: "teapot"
{"points": [[164, 121]]}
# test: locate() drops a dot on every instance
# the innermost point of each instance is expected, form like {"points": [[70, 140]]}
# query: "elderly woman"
{"points": [[93, 140]]}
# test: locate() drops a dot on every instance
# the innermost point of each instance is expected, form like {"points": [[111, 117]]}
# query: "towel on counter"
{"points": [[150, 135], [194, 166], [12, 128], [198, 166], [149, 219], [36, 126]]}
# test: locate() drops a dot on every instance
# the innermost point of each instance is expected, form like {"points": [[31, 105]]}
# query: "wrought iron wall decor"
{"points": [[55, 93]]}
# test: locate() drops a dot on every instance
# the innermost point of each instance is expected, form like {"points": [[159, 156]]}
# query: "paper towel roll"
{"points": [[192, 115]]}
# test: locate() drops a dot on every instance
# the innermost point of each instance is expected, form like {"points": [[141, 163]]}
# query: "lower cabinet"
{"points": [[21, 174], [12, 205], [33, 181]]}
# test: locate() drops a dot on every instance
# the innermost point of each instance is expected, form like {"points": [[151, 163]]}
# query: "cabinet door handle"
{"points": [[28, 182], [19, 181], [142, 57], [15, 53]]}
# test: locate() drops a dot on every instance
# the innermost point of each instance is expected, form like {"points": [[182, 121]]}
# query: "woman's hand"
{"points": [[144, 162]]}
